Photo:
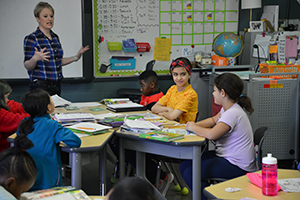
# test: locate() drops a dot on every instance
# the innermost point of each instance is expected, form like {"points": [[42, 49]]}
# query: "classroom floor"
{"points": [[91, 185], [90, 175]]}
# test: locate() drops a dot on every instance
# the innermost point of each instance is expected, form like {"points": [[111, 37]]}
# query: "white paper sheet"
{"points": [[89, 127], [290, 184], [263, 45], [59, 101]]}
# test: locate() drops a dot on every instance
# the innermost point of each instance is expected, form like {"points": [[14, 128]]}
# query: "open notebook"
{"points": [[89, 128]]}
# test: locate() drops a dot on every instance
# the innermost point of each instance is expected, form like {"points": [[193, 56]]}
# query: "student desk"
{"points": [[248, 189], [97, 197], [91, 146], [188, 148]]}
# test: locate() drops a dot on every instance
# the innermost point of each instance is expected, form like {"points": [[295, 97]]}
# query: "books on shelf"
{"points": [[71, 117], [89, 128], [64, 192], [58, 101], [161, 136]]}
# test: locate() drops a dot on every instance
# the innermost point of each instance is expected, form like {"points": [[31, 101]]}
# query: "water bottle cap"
{"points": [[269, 159]]}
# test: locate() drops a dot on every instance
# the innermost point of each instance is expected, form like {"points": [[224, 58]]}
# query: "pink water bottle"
{"points": [[269, 175]]}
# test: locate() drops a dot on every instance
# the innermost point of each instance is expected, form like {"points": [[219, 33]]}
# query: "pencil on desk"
{"points": [[86, 128]]}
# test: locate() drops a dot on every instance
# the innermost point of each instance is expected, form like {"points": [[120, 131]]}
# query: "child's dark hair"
{"points": [[186, 61], [16, 162], [4, 89], [129, 188], [149, 76], [35, 103], [233, 87]]}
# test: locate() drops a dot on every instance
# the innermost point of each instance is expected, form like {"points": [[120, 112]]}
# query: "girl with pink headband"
{"points": [[181, 101]]}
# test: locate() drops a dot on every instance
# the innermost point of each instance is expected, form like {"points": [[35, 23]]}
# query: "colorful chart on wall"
{"points": [[125, 32]]}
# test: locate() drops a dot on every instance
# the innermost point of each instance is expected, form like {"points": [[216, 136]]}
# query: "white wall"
{"points": [[17, 21]]}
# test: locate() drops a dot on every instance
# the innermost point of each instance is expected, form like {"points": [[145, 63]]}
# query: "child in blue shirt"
{"points": [[17, 169], [46, 135]]}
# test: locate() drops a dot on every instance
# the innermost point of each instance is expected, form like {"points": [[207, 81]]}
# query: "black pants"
{"points": [[50, 87]]}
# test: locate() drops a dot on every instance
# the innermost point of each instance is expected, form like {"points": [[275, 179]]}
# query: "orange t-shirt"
{"points": [[186, 101]]}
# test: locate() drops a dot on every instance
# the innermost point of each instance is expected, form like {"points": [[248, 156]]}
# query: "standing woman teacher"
{"points": [[44, 54]]}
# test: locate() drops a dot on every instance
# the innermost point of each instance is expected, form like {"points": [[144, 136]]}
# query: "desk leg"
{"points": [[103, 166], [122, 158], [196, 172], [141, 172], [76, 176], [141, 164]]}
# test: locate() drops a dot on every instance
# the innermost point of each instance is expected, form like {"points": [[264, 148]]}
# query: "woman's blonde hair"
{"points": [[40, 6]]}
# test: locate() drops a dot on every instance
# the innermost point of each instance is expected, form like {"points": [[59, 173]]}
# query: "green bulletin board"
{"points": [[193, 23]]}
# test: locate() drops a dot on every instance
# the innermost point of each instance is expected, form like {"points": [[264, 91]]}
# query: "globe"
{"points": [[227, 44]]}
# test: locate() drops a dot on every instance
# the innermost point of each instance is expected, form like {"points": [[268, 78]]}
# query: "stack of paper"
{"points": [[126, 107], [140, 124], [73, 117], [85, 104], [89, 128]]}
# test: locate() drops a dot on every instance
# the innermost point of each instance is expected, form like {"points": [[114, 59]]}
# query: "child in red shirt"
{"points": [[149, 87], [11, 114]]}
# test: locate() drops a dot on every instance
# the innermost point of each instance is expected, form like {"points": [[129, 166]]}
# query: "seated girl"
{"points": [[46, 135], [11, 114], [234, 153], [181, 101], [17, 169]]}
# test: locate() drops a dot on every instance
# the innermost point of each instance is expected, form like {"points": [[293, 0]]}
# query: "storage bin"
{"points": [[219, 61], [114, 46], [264, 68], [122, 62], [143, 46], [129, 45]]}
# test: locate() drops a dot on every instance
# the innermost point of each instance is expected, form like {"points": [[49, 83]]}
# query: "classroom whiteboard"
{"points": [[189, 23], [17, 20]]}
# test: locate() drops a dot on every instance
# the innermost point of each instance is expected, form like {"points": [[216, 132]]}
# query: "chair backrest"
{"points": [[150, 65], [259, 136]]}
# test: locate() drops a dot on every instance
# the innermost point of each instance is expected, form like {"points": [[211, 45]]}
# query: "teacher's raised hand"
{"points": [[81, 51], [41, 55]]}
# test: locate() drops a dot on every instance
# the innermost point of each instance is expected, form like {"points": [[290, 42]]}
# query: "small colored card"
{"points": [[97, 109]]}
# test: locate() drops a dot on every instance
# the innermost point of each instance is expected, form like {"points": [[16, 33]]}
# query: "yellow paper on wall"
{"points": [[162, 49]]}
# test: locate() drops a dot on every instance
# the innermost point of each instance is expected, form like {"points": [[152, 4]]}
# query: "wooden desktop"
{"points": [[248, 189]]}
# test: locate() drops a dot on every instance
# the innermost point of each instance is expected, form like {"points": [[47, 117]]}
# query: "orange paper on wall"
{"points": [[273, 49]]}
